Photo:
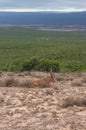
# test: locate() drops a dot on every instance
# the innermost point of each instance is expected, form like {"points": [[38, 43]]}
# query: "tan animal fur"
{"points": [[44, 81]]}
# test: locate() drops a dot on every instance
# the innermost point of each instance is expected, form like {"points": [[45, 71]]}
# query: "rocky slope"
{"points": [[57, 106]]}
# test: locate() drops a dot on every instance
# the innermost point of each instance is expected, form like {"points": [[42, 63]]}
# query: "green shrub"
{"points": [[26, 66], [29, 64], [73, 67], [48, 64], [41, 64]]}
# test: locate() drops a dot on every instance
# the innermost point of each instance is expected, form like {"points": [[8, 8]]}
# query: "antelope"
{"points": [[44, 81]]}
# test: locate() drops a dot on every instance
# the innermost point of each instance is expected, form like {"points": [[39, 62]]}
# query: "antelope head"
{"points": [[52, 76]]}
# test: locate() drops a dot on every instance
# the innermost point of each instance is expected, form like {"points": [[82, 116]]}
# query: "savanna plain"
{"points": [[58, 105]]}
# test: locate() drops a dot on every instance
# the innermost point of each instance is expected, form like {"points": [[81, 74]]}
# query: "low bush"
{"points": [[74, 67], [41, 64], [9, 82], [71, 101], [26, 84]]}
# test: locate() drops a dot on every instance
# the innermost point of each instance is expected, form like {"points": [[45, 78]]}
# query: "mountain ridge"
{"points": [[44, 18]]}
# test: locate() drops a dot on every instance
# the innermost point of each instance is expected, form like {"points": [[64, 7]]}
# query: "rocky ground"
{"points": [[57, 106]]}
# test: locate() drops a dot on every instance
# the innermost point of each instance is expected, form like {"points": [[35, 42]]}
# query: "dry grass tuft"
{"points": [[43, 85], [84, 80], [76, 83], [9, 82], [60, 78], [26, 83], [71, 101]]}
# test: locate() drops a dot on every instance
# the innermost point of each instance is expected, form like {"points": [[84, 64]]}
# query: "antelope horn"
{"points": [[52, 75], [51, 70]]}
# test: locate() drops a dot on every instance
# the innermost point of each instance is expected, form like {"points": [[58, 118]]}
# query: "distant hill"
{"points": [[44, 18]]}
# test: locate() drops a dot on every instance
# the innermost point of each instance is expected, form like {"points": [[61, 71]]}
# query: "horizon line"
{"points": [[36, 10]]}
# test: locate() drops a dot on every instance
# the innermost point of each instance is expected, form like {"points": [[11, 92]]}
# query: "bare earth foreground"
{"points": [[57, 106]]}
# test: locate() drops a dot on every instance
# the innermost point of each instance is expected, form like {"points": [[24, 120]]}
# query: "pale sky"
{"points": [[42, 5]]}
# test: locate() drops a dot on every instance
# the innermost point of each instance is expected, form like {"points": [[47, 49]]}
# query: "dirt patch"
{"points": [[25, 107]]}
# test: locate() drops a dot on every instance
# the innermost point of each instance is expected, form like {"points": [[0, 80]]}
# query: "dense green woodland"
{"points": [[19, 44]]}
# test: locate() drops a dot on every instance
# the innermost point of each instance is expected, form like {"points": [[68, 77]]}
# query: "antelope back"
{"points": [[36, 82], [46, 80]]}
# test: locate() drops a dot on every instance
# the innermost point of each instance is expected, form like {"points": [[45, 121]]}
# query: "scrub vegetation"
{"points": [[19, 45]]}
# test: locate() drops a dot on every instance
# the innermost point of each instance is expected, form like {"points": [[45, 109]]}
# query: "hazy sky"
{"points": [[42, 5]]}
